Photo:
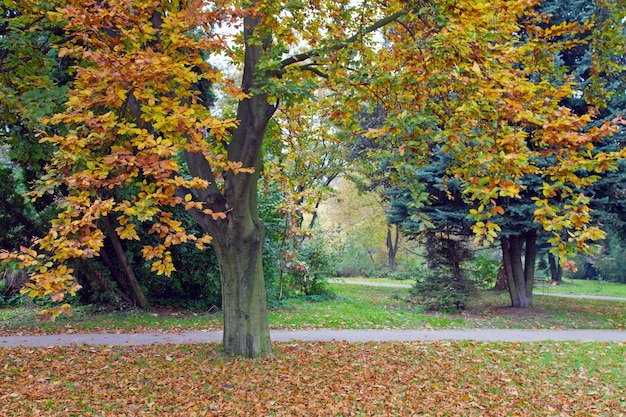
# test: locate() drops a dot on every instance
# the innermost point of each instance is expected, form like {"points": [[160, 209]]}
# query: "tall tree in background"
{"points": [[485, 86], [33, 85], [600, 76]]}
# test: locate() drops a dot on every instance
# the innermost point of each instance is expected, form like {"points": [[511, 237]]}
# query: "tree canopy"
{"points": [[474, 77]]}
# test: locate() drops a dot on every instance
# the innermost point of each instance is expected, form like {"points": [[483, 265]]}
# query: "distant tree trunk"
{"points": [[501, 279], [125, 292], [520, 273], [556, 271], [329, 179], [392, 245], [137, 292]]}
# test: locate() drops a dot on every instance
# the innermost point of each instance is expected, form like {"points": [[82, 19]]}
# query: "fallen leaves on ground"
{"points": [[318, 379]]}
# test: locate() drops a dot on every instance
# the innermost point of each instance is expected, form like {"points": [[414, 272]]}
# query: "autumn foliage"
{"points": [[476, 78], [131, 112], [481, 82]]}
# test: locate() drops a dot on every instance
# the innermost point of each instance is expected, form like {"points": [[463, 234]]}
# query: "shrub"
{"points": [[446, 285], [12, 279], [99, 287], [195, 284], [482, 270], [442, 292], [307, 270]]}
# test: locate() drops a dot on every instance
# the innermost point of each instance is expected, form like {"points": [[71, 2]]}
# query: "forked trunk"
{"points": [[520, 270], [246, 328]]}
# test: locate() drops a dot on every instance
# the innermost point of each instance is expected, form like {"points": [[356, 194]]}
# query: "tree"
{"points": [[371, 160], [303, 156], [600, 76], [485, 88], [354, 225], [135, 107], [135, 115]]}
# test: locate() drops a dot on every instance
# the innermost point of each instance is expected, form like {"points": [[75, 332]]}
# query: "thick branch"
{"points": [[342, 44]]}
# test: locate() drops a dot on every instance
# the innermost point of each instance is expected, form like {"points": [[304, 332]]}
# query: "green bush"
{"points": [[606, 263], [442, 292], [446, 286], [482, 270], [610, 263], [355, 261], [195, 284], [99, 287], [308, 272]]}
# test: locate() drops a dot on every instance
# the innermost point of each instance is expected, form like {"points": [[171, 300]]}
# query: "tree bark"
{"points": [[520, 272], [246, 327], [501, 279], [138, 294], [238, 239], [125, 292], [392, 245], [556, 271]]}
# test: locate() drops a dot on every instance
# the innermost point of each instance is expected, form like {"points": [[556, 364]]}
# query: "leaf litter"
{"points": [[318, 379]]}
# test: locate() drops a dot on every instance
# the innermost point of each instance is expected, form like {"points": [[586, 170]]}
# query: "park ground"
{"points": [[430, 378]]}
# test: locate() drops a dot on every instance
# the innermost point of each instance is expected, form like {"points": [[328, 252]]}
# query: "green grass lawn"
{"points": [[365, 307], [24, 320], [568, 286], [578, 286], [353, 307]]}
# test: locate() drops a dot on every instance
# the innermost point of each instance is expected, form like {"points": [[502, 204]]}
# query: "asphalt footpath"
{"points": [[321, 335]]}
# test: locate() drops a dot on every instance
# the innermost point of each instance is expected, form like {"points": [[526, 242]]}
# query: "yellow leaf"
{"points": [[476, 69]]}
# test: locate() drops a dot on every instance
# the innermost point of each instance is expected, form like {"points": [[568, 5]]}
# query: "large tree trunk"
{"points": [[520, 272], [238, 239], [246, 328]]}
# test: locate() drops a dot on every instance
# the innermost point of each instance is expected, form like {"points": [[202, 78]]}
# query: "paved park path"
{"points": [[321, 335], [327, 335]]}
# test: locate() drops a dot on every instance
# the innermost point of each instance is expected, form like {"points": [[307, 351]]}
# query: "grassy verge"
{"points": [[24, 320], [338, 379], [568, 286], [354, 307], [365, 307], [577, 286]]}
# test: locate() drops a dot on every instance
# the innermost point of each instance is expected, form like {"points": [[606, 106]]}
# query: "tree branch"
{"points": [[342, 44], [313, 69]]}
